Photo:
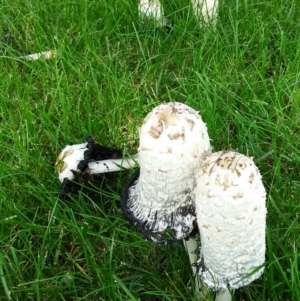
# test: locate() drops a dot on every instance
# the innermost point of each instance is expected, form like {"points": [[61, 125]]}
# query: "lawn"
{"points": [[110, 71]]}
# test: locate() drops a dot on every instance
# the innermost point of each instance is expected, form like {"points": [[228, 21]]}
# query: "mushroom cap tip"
{"points": [[174, 128]]}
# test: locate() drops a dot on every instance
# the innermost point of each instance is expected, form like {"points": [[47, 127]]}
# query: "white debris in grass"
{"points": [[231, 215], [47, 55]]}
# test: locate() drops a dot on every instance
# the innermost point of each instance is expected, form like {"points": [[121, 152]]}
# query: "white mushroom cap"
{"points": [[160, 196], [206, 9], [231, 215], [152, 9], [68, 160]]}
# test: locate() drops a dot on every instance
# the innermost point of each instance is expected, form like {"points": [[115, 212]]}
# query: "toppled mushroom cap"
{"points": [[231, 215], [68, 160], [160, 196], [76, 158]]}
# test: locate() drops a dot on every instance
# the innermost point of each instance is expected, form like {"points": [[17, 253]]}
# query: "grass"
{"points": [[111, 71]]}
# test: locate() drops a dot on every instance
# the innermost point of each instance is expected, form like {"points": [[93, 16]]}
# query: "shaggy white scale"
{"points": [[86, 158], [231, 215], [173, 138]]}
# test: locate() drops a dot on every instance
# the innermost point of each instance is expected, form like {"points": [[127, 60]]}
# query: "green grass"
{"points": [[243, 77]]}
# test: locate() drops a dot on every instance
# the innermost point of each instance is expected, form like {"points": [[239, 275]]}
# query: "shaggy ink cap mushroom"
{"points": [[159, 197], [76, 158], [152, 10], [231, 215]]}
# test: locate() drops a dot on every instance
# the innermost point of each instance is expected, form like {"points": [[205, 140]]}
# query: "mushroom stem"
{"points": [[112, 165], [74, 159], [223, 295], [191, 247]]}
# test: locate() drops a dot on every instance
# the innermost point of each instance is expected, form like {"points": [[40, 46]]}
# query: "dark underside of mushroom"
{"points": [[172, 223]]}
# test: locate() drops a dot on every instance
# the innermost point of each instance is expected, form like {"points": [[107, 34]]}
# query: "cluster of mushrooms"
{"points": [[181, 185], [205, 10]]}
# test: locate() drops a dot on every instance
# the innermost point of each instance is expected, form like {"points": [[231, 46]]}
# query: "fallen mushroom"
{"points": [[231, 215], [72, 156], [159, 196], [76, 159]]}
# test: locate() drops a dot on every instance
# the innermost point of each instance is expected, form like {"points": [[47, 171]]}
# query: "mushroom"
{"points": [[72, 156], [205, 10], [152, 9], [159, 196], [75, 159], [231, 215]]}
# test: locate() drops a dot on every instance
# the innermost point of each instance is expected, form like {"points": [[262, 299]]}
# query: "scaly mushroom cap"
{"points": [[160, 195], [68, 160], [231, 215]]}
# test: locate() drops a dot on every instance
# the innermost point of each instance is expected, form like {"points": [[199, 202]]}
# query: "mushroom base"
{"points": [[156, 224], [217, 282]]}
